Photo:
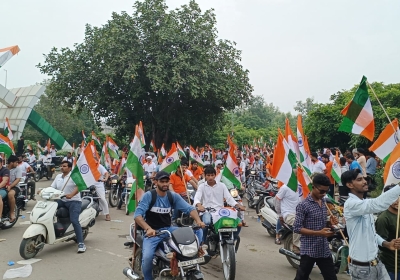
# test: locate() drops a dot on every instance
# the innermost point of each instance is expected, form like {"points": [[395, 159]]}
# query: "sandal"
{"points": [[278, 241], [108, 218]]}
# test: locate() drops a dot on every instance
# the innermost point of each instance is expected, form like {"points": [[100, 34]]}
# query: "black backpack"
{"points": [[154, 198]]}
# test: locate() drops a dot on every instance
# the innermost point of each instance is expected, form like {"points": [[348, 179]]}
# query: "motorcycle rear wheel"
{"points": [[137, 267], [37, 177], [288, 246], [113, 197], [7, 224], [260, 205], [229, 263]]}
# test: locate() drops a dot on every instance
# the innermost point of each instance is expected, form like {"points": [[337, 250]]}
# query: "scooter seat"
{"points": [[85, 204]]}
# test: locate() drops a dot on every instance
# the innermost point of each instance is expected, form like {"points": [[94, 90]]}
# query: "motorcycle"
{"points": [[25, 185], [20, 203], [266, 195], [92, 195], [52, 226], [251, 187], [147, 181], [42, 170], [175, 258], [115, 191], [220, 239]]}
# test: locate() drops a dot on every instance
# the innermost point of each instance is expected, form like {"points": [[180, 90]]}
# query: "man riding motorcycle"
{"points": [[26, 168], [4, 177], [159, 218]]}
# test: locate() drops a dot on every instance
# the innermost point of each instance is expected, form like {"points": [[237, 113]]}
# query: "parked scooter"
{"points": [[180, 248], [52, 226]]}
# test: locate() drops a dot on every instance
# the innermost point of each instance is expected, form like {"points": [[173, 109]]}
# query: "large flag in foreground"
{"points": [[358, 115], [304, 152], [5, 146], [134, 165], [283, 163], [7, 53], [387, 141], [391, 174], [171, 161], [85, 173]]}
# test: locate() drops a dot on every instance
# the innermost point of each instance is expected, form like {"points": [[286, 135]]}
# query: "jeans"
{"points": [[262, 177], [74, 209], [377, 272], [325, 265], [278, 226], [391, 275], [149, 248]]}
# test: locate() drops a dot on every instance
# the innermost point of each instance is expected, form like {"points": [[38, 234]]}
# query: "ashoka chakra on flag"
{"points": [[84, 168], [169, 159]]}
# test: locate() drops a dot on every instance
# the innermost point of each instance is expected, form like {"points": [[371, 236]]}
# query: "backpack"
{"points": [[154, 198]]}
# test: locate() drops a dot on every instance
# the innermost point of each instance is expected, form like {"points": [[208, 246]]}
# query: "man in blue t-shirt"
{"points": [[158, 217], [353, 164]]}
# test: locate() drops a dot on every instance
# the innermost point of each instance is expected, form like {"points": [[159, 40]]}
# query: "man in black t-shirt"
{"points": [[20, 145], [4, 176]]}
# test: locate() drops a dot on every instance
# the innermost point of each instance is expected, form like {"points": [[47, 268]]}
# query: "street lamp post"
{"points": [[5, 85]]}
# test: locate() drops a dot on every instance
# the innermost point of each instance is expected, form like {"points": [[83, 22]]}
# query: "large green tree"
{"points": [[166, 68], [323, 120]]}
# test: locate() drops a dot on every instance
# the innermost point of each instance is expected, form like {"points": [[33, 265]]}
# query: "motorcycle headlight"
{"points": [[252, 172], [189, 250], [234, 193], [114, 181], [130, 185], [144, 177]]}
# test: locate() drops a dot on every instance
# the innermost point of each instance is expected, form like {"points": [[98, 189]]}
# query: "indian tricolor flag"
{"points": [[84, 136], [141, 134], [122, 165], [7, 53], [336, 171], [152, 147], [304, 181], [161, 154], [171, 161], [85, 173], [7, 130], [181, 152], [283, 163], [291, 139], [134, 165], [96, 141], [112, 148], [231, 169], [6, 146], [226, 217], [387, 140], [391, 174], [358, 115], [193, 155], [304, 152]]}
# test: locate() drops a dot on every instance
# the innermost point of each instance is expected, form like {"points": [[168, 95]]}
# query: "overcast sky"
{"points": [[293, 49]]}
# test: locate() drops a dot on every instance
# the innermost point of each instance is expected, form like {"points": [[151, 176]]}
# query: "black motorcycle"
{"points": [[114, 195], [251, 186], [91, 192], [20, 203], [42, 170], [175, 258]]}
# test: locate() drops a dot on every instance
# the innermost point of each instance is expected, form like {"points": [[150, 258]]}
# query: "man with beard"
{"points": [[154, 213], [364, 241]]}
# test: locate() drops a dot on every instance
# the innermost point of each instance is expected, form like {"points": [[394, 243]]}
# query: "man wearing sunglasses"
{"points": [[363, 247], [311, 223]]}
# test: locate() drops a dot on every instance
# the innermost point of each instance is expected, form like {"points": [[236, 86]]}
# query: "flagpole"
{"points": [[395, 131]]}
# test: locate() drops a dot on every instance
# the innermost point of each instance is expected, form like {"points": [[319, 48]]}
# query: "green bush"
{"points": [[378, 177]]}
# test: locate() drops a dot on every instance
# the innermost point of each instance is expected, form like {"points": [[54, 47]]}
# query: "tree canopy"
{"points": [[165, 68]]}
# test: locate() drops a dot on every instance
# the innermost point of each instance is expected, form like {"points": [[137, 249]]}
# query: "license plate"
{"points": [[256, 197], [191, 262], [227, 229], [41, 204]]}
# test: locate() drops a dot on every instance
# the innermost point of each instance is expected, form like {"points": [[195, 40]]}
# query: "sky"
{"points": [[293, 49]]}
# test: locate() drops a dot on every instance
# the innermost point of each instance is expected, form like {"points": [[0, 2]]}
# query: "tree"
{"points": [[323, 121], [166, 68], [69, 125], [304, 107]]}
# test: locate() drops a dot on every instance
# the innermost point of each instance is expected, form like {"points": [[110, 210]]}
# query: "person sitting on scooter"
{"points": [[158, 217], [213, 194], [72, 200], [4, 176], [13, 188]]}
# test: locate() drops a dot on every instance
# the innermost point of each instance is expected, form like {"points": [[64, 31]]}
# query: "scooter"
{"points": [[268, 215], [52, 226]]}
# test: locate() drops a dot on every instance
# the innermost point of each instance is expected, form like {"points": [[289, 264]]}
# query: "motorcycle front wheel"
{"points": [[37, 177], [288, 246], [260, 205], [113, 197], [27, 249], [229, 261]]}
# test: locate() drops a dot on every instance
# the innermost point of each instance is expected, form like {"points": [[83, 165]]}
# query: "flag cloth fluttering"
{"points": [[391, 174], [304, 151], [7, 130], [85, 173], [181, 152], [141, 135], [358, 115], [7, 53], [231, 169], [112, 148], [171, 161], [336, 172], [387, 141], [193, 155], [96, 141], [5, 146]]}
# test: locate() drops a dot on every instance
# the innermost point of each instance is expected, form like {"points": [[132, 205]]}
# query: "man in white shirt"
{"points": [[53, 151], [69, 157], [26, 168], [72, 200], [285, 205], [102, 192], [317, 165], [212, 194], [242, 168], [150, 167], [32, 157]]}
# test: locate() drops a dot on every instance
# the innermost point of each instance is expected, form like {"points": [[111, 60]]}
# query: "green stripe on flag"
{"points": [[228, 175], [76, 176]]}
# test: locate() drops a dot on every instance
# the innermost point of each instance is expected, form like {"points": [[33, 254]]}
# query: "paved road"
{"points": [[258, 256]]}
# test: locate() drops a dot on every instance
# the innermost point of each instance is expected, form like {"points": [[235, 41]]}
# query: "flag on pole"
{"points": [[141, 135], [5, 146], [152, 147], [96, 141], [391, 174], [304, 181], [387, 141], [304, 156], [283, 162], [112, 148], [48, 145], [7, 53], [336, 171], [134, 165], [7, 130], [181, 152], [161, 154], [122, 166], [193, 155], [85, 173], [231, 169], [291, 139], [84, 136], [171, 161], [358, 115], [105, 159]]}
